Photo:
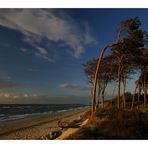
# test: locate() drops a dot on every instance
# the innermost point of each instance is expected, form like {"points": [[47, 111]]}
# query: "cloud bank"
{"points": [[32, 98], [37, 24]]}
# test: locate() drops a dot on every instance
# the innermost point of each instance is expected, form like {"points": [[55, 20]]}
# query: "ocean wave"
{"points": [[5, 107], [20, 112], [22, 116], [70, 109]]}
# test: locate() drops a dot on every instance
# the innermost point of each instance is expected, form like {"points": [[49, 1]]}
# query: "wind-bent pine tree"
{"points": [[141, 62], [131, 42], [107, 75]]}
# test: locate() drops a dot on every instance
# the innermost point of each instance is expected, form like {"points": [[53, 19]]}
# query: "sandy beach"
{"points": [[36, 127]]}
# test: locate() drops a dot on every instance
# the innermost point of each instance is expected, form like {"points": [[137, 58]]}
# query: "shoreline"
{"points": [[38, 126], [32, 115]]}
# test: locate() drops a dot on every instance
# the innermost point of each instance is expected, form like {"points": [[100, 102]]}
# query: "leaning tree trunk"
{"points": [[99, 94], [92, 92], [96, 77]]}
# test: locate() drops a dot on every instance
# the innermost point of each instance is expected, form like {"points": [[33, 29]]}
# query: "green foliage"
{"points": [[131, 24]]}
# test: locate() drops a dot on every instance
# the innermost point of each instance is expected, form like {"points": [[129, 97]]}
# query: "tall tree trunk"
{"points": [[118, 98], [124, 86], [133, 100], [119, 80], [103, 97], [145, 94], [138, 92]]}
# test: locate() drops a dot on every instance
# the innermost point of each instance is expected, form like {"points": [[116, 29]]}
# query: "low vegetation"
{"points": [[115, 124]]}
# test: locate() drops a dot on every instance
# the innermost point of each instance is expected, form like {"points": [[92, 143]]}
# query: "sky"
{"points": [[42, 52]]}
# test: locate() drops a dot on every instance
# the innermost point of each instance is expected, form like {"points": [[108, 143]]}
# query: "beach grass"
{"points": [[115, 124]]}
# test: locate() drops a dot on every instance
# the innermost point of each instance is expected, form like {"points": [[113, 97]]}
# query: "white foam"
{"points": [[3, 117], [22, 116]]}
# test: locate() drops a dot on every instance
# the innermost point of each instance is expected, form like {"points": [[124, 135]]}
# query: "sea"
{"points": [[10, 112]]}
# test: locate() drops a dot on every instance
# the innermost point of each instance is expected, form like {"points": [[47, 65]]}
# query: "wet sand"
{"points": [[36, 127]]}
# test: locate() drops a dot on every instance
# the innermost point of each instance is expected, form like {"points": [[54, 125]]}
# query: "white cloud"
{"points": [[63, 85], [15, 96], [88, 38], [42, 51], [34, 95], [38, 23], [38, 54], [26, 95], [18, 95], [73, 86], [6, 95], [23, 50]]}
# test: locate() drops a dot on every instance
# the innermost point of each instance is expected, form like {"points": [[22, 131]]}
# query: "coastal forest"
{"points": [[128, 55], [125, 115]]}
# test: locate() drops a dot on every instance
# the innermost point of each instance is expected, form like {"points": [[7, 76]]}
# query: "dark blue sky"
{"points": [[42, 51]]}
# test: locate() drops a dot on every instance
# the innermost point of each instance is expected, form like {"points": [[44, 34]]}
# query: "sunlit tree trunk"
{"points": [[99, 94], [92, 93], [119, 78], [96, 77]]}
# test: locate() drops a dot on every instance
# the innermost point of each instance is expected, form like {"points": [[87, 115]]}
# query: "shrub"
{"points": [[119, 124]]}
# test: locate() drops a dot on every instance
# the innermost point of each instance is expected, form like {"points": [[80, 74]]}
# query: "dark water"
{"points": [[17, 111]]}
